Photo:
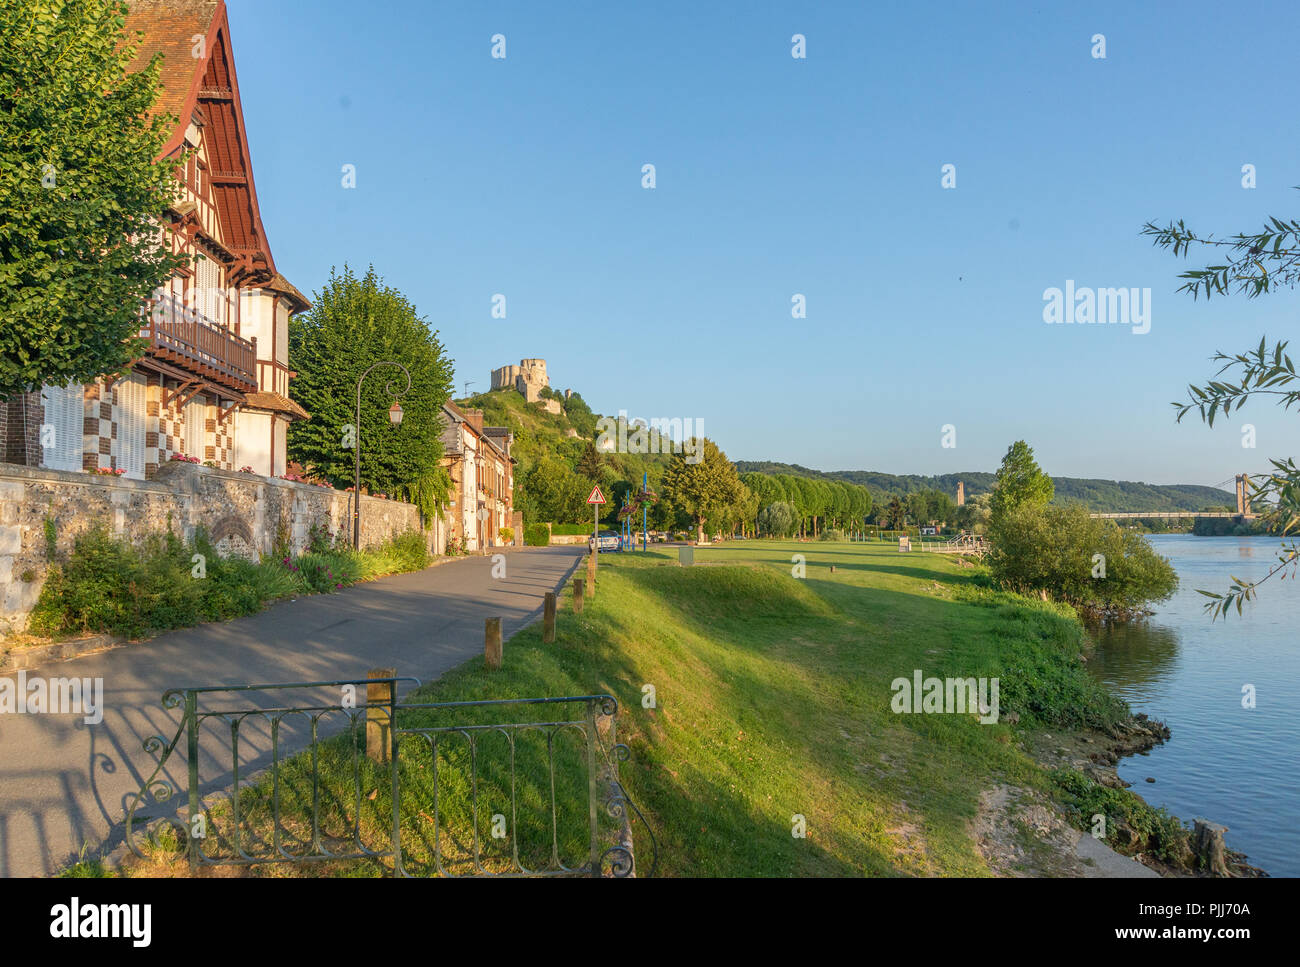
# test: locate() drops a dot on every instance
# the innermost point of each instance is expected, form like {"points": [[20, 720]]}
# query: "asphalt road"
{"points": [[65, 785]]}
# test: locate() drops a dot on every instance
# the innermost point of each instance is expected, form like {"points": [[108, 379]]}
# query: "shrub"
{"points": [[831, 534], [1058, 550], [107, 585], [231, 588], [1157, 831], [409, 551], [329, 571], [537, 535], [507, 535], [319, 539], [777, 519]]}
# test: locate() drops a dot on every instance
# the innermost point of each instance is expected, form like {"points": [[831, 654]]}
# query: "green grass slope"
{"points": [[773, 701]]}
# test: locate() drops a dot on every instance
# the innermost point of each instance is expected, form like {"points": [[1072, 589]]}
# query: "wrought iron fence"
{"points": [[482, 788], [567, 818]]}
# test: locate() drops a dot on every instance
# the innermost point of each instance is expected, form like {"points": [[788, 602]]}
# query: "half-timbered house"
{"points": [[213, 382]]}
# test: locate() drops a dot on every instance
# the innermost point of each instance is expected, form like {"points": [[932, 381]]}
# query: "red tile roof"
{"points": [[169, 28]]}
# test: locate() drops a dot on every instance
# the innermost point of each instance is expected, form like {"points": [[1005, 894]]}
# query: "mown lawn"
{"points": [[772, 701]]}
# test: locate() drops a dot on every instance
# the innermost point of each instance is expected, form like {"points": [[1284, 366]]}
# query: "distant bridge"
{"points": [[1170, 514], [1243, 511]]}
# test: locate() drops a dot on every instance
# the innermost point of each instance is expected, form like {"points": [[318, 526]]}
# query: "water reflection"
{"points": [[1137, 653], [1233, 764]]}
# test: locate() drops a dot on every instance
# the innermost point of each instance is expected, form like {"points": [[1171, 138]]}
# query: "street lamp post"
{"points": [[395, 417]]}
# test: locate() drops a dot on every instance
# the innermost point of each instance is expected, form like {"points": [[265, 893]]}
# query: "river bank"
{"points": [[756, 694]]}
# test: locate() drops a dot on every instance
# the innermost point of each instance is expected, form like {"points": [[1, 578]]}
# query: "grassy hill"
{"points": [[1112, 496]]}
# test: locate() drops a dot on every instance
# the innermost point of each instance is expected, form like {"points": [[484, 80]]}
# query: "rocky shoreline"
{"points": [[1196, 852]]}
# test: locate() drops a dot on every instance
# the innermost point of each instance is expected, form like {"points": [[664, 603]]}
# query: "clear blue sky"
{"points": [[778, 176]]}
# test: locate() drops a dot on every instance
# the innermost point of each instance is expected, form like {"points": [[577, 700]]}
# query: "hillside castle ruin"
{"points": [[528, 379]]}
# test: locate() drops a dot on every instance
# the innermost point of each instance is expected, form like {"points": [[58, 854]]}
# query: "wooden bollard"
{"points": [[378, 720], [591, 575], [548, 618], [579, 585], [492, 642]]}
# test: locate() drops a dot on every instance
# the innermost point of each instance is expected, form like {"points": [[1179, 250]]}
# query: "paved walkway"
{"points": [[64, 784]]}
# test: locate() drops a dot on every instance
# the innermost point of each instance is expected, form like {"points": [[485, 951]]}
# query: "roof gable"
{"points": [[199, 83]]}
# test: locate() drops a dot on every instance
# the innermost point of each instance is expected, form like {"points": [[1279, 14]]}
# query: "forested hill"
{"points": [[1109, 496]]}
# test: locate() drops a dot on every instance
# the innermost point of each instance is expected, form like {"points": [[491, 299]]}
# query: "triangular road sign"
{"points": [[596, 496]]}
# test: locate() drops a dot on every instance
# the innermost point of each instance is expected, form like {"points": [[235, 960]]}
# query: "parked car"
{"points": [[609, 541]]}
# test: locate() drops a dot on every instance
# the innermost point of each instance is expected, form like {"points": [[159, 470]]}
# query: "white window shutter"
{"points": [[64, 415], [130, 427], [195, 417]]}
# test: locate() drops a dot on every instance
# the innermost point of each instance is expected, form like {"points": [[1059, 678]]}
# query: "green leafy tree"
{"points": [[592, 464], [1020, 482], [939, 506], [354, 323], [82, 192], [777, 519], [894, 514], [555, 493], [860, 507], [705, 491], [580, 416], [918, 508], [1252, 264], [794, 496], [973, 516], [746, 509], [809, 504]]}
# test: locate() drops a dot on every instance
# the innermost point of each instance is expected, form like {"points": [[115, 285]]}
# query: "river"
{"points": [[1233, 765]]}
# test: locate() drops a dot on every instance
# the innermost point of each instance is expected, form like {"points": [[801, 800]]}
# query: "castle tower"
{"points": [[961, 494]]}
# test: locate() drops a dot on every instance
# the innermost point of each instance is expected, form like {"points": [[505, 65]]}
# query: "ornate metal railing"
{"points": [[595, 755], [459, 792]]}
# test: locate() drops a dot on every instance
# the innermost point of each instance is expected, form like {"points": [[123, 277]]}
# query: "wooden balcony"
{"points": [[189, 340]]}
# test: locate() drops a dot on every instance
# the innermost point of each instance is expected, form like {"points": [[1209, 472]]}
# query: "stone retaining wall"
{"points": [[243, 513]]}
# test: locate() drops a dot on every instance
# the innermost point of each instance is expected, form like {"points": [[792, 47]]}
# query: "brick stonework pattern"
{"points": [[20, 429], [152, 396], [225, 443]]}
